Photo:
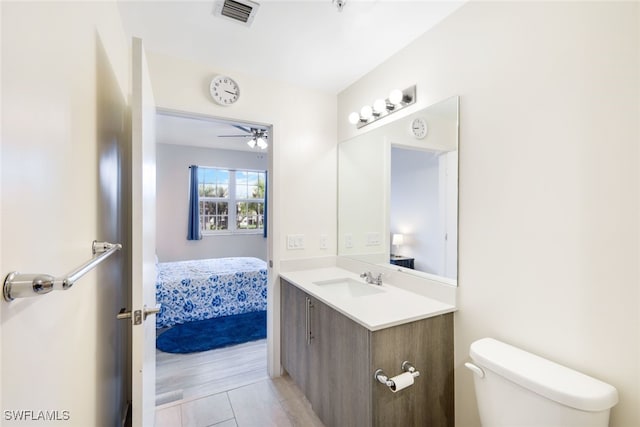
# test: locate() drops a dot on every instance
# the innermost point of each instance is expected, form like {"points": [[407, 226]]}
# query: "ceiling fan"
{"points": [[258, 137]]}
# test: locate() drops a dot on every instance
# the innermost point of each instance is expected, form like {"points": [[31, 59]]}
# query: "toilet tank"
{"points": [[518, 388]]}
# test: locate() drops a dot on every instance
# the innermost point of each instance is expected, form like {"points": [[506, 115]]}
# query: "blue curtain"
{"points": [[266, 180], [193, 232]]}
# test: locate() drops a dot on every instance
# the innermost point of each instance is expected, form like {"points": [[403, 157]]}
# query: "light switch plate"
{"points": [[373, 238], [295, 241]]}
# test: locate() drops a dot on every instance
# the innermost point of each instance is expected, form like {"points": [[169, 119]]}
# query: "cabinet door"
{"points": [[340, 384], [293, 340], [428, 344]]}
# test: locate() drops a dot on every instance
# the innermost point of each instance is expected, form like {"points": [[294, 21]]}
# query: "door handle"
{"points": [[138, 315], [154, 310], [308, 307], [123, 314]]}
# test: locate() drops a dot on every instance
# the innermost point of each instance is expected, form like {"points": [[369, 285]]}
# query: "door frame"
{"points": [[273, 303]]}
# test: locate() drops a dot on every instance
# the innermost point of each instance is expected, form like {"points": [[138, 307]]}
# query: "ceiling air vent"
{"points": [[242, 11]]}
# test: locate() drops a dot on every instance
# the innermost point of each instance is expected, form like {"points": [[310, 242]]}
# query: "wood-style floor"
{"points": [[228, 387], [185, 377]]}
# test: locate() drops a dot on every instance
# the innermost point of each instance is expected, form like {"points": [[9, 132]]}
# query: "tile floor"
{"points": [[276, 402]]}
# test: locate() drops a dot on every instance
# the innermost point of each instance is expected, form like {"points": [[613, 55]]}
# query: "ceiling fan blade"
{"points": [[234, 136], [242, 128]]}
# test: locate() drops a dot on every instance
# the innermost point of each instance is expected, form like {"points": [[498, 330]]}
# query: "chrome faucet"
{"points": [[368, 277]]}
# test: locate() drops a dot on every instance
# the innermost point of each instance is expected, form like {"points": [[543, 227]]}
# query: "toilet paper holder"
{"points": [[384, 379]]}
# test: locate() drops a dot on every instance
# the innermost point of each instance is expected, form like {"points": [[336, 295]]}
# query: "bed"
{"points": [[208, 288]]}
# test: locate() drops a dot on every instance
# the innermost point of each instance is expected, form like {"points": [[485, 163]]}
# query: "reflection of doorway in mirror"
{"points": [[423, 208]]}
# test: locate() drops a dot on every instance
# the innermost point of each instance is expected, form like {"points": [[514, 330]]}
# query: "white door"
{"points": [[143, 241]]}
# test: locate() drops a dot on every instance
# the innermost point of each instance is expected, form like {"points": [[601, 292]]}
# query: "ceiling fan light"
{"points": [[252, 142], [262, 144]]}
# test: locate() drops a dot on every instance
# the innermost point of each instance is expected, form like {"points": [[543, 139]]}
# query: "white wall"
{"points": [[64, 80], [548, 180], [1, 221], [303, 157], [172, 177]]}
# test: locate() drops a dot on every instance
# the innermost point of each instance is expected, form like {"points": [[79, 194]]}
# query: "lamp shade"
{"points": [[397, 239], [262, 144]]}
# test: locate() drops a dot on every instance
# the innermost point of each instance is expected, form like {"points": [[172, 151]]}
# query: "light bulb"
{"points": [[366, 112], [262, 144], [380, 106], [395, 97], [354, 118], [252, 142]]}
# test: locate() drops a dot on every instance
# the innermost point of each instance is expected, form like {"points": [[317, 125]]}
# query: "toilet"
{"points": [[515, 388]]}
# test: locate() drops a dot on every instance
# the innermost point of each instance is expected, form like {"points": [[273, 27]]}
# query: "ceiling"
{"points": [[305, 43], [201, 131]]}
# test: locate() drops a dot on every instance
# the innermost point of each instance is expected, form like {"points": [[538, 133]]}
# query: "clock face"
{"points": [[419, 127], [224, 90]]}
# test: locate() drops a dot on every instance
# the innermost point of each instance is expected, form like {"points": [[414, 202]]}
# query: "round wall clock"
{"points": [[419, 127], [224, 90]]}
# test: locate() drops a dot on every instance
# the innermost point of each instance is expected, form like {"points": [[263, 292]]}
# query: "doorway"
{"points": [[216, 273]]}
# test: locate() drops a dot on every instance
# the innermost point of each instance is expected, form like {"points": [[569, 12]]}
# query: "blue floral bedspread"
{"points": [[207, 288]]}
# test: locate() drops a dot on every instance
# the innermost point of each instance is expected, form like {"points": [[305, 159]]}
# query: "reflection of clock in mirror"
{"points": [[419, 127], [224, 90]]}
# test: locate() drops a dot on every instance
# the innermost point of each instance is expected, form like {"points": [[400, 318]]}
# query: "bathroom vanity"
{"points": [[336, 331]]}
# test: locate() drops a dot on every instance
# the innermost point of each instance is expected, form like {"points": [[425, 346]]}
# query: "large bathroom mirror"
{"points": [[398, 194]]}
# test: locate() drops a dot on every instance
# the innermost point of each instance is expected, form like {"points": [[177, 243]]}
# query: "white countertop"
{"points": [[393, 306]]}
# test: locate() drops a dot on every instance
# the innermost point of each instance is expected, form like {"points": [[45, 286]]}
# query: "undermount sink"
{"points": [[346, 287]]}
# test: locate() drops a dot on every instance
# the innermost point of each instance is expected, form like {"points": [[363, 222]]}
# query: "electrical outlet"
{"points": [[348, 240], [323, 241]]}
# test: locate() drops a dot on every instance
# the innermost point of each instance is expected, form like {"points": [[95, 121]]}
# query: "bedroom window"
{"points": [[249, 200], [213, 190], [231, 200]]}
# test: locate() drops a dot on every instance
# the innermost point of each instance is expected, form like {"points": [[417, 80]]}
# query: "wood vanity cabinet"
{"points": [[334, 367]]}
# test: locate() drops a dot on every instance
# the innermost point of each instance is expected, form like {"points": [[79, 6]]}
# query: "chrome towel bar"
{"points": [[18, 285]]}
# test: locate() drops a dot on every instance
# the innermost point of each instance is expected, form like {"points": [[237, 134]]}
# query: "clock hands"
{"points": [[224, 90]]}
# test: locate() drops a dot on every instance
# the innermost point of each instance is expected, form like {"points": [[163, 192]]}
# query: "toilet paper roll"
{"points": [[401, 381]]}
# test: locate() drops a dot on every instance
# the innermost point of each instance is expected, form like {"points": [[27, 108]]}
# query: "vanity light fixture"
{"points": [[397, 100], [366, 112]]}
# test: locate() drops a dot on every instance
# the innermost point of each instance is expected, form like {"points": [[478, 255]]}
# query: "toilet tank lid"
{"points": [[542, 376]]}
